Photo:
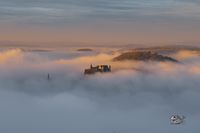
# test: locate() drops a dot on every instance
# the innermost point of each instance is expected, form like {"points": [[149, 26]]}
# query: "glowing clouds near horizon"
{"points": [[31, 63], [15, 57]]}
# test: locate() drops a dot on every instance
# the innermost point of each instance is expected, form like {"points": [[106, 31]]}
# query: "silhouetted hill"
{"points": [[85, 49], [143, 56]]}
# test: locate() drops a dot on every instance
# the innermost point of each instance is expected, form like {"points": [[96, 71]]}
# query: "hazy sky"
{"points": [[97, 21]]}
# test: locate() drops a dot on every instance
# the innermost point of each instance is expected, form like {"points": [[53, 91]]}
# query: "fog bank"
{"points": [[135, 97]]}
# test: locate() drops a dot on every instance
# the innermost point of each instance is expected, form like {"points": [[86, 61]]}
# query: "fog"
{"points": [[134, 97]]}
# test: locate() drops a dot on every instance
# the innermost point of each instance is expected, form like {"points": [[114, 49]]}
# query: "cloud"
{"points": [[70, 71], [128, 21], [68, 11], [11, 56], [185, 54], [135, 97]]}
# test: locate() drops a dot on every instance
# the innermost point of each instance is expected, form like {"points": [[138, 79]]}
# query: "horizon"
{"points": [[102, 44]]}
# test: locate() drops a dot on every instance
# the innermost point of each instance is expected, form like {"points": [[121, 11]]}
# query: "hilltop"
{"points": [[143, 56], [85, 49]]}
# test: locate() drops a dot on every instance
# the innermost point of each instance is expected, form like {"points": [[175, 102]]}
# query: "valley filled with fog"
{"points": [[137, 96]]}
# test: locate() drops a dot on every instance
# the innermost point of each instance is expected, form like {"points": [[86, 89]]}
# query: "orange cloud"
{"points": [[11, 55], [195, 70], [186, 54]]}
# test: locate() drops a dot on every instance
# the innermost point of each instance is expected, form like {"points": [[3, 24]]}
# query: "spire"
{"points": [[48, 77]]}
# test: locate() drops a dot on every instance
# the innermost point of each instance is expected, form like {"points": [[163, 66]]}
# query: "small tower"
{"points": [[109, 67], [48, 77]]}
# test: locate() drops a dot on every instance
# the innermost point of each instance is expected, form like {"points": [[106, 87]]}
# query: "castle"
{"points": [[98, 68]]}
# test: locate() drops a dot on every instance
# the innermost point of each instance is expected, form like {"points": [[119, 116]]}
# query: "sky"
{"points": [[100, 21]]}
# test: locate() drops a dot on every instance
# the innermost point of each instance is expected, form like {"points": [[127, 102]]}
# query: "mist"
{"points": [[134, 97]]}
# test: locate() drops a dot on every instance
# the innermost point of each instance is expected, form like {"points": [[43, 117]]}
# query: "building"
{"points": [[98, 68]]}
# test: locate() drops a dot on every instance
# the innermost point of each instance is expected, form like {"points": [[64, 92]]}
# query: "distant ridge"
{"points": [[143, 56], [85, 49]]}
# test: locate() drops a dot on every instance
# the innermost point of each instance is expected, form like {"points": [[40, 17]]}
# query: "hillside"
{"points": [[85, 49], [143, 56]]}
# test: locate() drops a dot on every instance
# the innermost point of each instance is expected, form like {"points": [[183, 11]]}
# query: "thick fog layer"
{"points": [[134, 97]]}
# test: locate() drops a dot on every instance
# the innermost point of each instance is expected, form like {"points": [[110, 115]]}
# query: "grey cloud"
{"points": [[189, 1], [87, 10]]}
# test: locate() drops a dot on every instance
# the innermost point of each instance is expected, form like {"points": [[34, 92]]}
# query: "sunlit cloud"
{"points": [[11, 56], [185, 54]]}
